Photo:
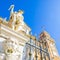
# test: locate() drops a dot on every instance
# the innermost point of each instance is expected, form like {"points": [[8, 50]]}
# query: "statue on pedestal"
{"points": [[19, 20], [16, 19]]}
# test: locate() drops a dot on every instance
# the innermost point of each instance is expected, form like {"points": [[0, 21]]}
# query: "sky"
{"points": [[37, 14]]}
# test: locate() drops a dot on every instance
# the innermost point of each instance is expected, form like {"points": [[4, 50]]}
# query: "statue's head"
{"points": [[21, 11]]}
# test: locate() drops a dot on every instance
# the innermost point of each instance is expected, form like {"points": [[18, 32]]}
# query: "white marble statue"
{"points": [[16, 19], [19, 20]]}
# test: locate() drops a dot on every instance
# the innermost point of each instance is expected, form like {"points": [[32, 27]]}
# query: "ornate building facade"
{"points": [[16, 42]]}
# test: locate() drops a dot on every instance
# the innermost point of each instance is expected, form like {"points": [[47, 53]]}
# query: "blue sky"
{"points": [[37, 13]]}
